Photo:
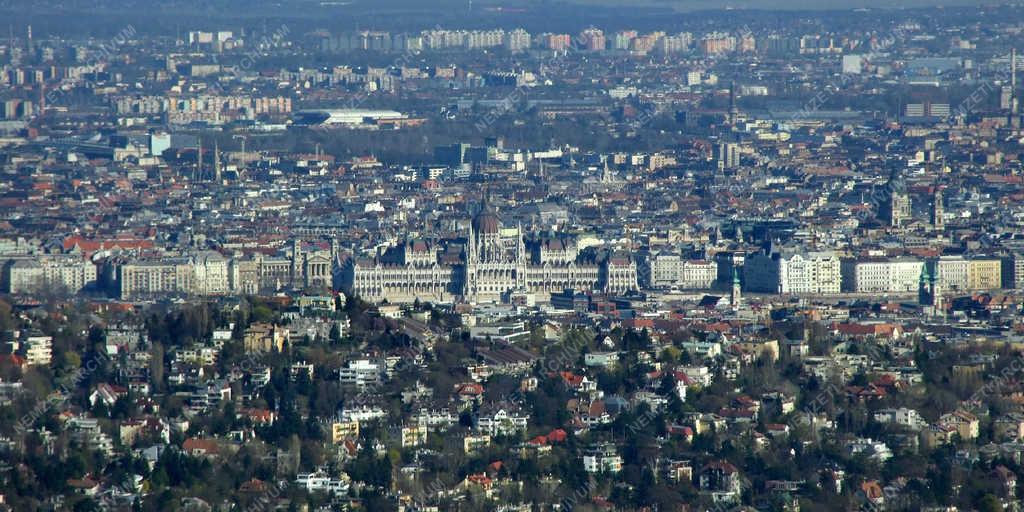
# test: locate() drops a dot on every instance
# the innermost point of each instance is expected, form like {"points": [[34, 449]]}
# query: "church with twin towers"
{"points": [[491, 263]]}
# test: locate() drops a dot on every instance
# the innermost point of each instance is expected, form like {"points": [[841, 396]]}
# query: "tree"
{"points": [[123, 408], [156, 365], [70, 361], [262, 313], [989, 503], [6, 320], [87, 505], [671, 355], [100, 409]]}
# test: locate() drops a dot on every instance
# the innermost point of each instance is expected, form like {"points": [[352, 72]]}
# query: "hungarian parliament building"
{"points": [[493, 264]]}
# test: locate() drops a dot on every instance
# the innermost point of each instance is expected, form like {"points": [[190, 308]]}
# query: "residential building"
{"points": [[603, 459], [793, 271], [900, 275], [264, 337]]}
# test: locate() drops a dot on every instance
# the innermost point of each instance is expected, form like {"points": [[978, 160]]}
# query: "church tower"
{"points": [[930, 293], [938, 222], [935, 289], [606, 173], [297, 262], [216, 162], [736, 289], [896, 207], [923, 290]]}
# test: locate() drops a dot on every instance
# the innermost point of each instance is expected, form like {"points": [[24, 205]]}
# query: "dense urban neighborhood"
{"points": [[510, 256]]}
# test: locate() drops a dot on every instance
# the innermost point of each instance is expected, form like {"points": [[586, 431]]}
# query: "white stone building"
{"points": [[901, 275], [793, 271], [668, 270], [53, 274]]}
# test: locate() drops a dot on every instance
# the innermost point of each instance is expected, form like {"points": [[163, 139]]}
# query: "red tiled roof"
{"points": [[98, 245], [202, 445], [557, 436]]}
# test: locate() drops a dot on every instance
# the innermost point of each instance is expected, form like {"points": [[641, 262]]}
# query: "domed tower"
{"points": [[494, 265], [487, 233]]}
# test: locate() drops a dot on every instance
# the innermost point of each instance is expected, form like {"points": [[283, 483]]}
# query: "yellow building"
{"points": [[762, 348], [984, 274], [263, 337], [937, 435], [965, 423], [413, 435], [471, 443], [341, 430]]}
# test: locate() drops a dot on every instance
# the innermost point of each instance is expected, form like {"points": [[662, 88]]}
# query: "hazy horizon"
{"points": [[818, 5]]}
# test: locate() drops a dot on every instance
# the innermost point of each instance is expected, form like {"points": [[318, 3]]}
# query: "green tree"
{"points": [[989, 503]]}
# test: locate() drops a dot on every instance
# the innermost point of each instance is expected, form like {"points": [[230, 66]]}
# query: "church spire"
{"points": [[521, 245], [606, 174], [736, 289], [216, 161]]}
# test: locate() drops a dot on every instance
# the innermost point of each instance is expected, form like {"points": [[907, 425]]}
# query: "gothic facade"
{"points": [[489, 266]]}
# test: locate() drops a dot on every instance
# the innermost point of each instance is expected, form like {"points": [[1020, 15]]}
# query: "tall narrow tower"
{"points": [[935, 289], [469, 281], [938, 223], [923, 291], [734, 111], [297, 263], [521, 258], [199, 162], [216, 161], [736, 289], [1014, 120], [1013, 80]]}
